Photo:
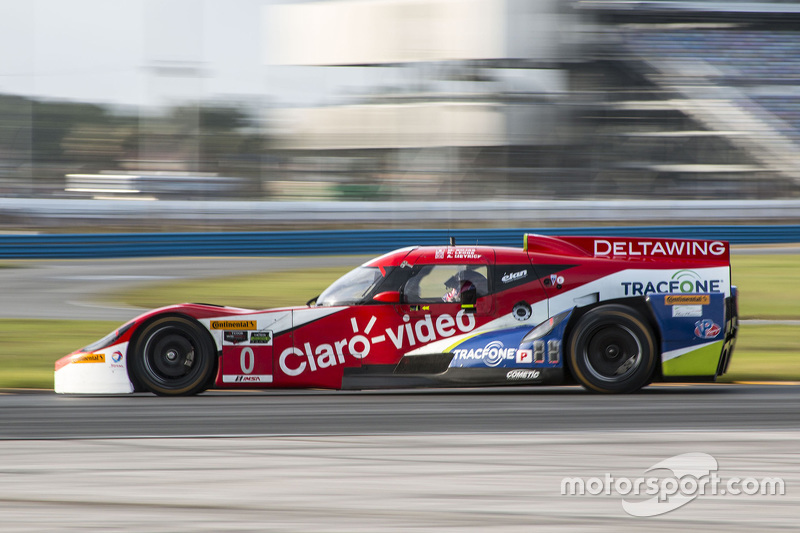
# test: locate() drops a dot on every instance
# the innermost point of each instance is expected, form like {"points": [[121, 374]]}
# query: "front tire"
{"points": [[173, 356], [612, 350]]}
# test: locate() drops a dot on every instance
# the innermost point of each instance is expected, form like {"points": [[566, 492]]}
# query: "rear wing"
{"points": [[635, 248]]}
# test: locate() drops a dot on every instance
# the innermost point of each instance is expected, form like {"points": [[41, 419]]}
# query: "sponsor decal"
{"points": [[295, 360], [687, 299], [685, 281], [524, 356], [656, 248], [233, 324], [90, 358], [234, 337], [492, 354], [247, 378], [116, 359], [261, 337], [522, 374], [556, 280], [514, 276], [684, 311], [706, 329], [522, 311]]}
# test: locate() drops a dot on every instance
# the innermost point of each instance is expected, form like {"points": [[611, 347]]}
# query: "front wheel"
{"points": [[173, 356], [611, 350]]}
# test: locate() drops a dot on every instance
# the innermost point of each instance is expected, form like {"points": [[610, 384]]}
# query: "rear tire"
{"points": [[612, 350], [173, 356]]}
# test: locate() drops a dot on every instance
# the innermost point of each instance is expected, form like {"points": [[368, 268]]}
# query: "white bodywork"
{"points": [[100, 372]]}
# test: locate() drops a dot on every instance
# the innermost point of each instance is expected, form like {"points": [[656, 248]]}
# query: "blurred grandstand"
{"points": [[466, 100], [582, 100], [700, 99]]}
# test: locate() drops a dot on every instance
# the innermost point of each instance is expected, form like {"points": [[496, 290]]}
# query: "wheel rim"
{"points": [[170, 356], [613, 353]]}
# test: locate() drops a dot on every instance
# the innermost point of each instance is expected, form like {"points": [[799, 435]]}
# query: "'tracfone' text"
{"points": [[639, 288]]}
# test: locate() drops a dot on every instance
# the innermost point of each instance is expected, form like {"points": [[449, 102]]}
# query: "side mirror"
{"points": [[388, 297]]}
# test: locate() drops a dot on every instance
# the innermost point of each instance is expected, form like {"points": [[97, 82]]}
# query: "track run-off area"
{"points": [[458, 460]]}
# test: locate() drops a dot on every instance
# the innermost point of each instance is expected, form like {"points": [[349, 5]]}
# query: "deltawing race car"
{"points": [[613, 314]]}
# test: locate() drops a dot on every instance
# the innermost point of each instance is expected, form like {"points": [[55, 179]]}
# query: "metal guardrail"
{"points": [[342, 242]]}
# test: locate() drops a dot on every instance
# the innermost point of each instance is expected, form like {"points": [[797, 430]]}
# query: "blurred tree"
{"points": [[96, 147], [15, 126], [222, 119], [52, 139], [53, 121]]}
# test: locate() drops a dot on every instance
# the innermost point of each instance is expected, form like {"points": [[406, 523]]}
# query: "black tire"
{"points": [[612, 350], [173, 356]]}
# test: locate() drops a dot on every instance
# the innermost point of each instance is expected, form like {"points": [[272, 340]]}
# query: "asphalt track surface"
{"points": [[454, 460], [306, 413]]}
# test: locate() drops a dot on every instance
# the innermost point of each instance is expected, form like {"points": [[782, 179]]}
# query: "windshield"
{"points": [[352, 287]]}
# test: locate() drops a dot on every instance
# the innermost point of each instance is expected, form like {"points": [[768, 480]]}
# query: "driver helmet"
{"points": [[458, 283]]}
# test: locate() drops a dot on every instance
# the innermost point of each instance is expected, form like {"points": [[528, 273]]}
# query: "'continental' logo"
{"points": [[90, 358], [687, 299], [233, 324]]}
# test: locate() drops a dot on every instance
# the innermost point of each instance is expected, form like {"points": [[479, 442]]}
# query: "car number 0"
{"points": [[247, 360]]}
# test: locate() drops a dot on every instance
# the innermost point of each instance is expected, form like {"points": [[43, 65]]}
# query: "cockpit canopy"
{"points": [[352, 288], [434, 283]]}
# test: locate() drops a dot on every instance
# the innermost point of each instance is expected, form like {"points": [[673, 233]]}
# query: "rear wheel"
{"points": [[173, 356], [611, 350]]}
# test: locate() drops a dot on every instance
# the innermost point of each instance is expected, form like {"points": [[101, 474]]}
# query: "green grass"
{"points": [[769, 288], [30, 348], [769, 285], [254, 291], [765, 352]]}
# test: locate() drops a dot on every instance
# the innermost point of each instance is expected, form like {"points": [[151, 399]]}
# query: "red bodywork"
{"points": [[317, 346]]}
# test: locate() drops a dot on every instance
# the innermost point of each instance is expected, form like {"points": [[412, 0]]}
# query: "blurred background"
{"points": [[473, 102], [138, 116]]}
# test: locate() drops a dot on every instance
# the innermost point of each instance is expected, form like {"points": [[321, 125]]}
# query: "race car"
{"points": [[610, 313]]}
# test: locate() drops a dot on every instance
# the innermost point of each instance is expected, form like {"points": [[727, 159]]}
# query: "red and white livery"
{"points": [[611, 313]]}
